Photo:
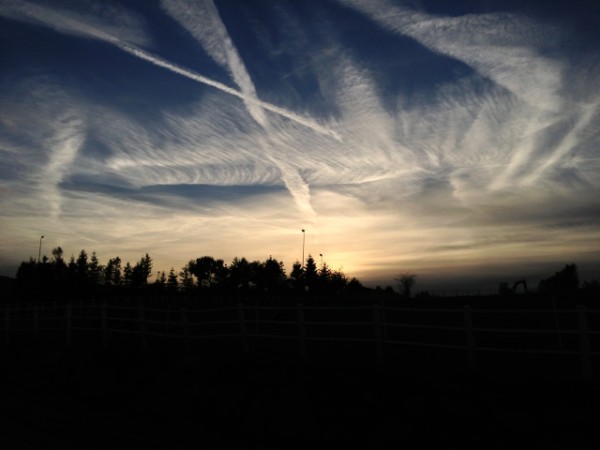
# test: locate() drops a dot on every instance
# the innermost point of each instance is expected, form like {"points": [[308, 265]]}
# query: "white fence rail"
{"points": [[531, 331]]}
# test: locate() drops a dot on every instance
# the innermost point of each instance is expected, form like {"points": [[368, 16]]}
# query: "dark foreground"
{"points": [[57, 398]]}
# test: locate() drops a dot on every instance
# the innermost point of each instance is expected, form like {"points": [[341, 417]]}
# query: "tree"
{"points": [[406, 282], [141, 271], [207, 270], [324, 272], [172, 281], [271, 275], [161, 280], [57, 253], [563, 282], [27, 273], [59, 268], [94, 269], [254, 274], [220, 273], [128, 275], [82, 266], [187, 279], [239, 273], [112, 272], [310, 273], [297, 276], [354, 285], [324, 278]]}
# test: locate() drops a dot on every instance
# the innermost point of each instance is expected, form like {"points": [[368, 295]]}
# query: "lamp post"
{"points": [[321, 255], [40, 250], [303, 242]]}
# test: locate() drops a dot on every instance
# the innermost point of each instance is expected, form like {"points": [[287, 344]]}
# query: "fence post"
{"points": [[35, 321], [104, 325], [557, 325], [383, 318], [470, 341], [243, 329], [186, 330], [377, 333], [302, 332], [256, 315], [7, 324], [584, 344], [69, 323], [142, 327]]}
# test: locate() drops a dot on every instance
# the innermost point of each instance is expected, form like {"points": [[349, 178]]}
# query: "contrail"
{"points": [[66, 24], [203, 22], [224, 88], [230, 59]]}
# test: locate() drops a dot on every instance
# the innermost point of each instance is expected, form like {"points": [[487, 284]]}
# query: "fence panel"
{"points": [[312, 328]]}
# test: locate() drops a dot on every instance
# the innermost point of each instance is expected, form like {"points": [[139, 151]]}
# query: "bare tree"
{"points": [[406, 282]]}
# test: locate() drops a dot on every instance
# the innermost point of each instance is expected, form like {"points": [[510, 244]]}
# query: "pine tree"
{"points": [[94, 269], [310, 272], [187, 279], [172, 281]]}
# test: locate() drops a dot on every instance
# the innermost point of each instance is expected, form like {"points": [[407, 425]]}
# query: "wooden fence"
{"points": [[473, 332]]}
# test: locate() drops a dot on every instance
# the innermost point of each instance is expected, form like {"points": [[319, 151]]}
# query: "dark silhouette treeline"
{"points": [[85, 277], [275, 395], [563, 289]]}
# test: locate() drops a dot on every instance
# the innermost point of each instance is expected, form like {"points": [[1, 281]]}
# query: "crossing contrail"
{"points": [[203, 22], [70, 24], [224, 88]]}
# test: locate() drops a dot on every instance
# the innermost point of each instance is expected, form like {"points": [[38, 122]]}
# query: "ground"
{"points": [[68, 398]]}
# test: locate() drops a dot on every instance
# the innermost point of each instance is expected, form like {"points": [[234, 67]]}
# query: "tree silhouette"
{"points": [[161, 280], [112, 272], [86, 277], [172, 281], [127, 275], [239, 274], [354, 285], [187, 279], [94, 269], [82, 267], [406, 282], [271, 275], [141, 271], [207, 270], [324, 272], [297, 276], [565, 281], [310, 273], [57, 254]]}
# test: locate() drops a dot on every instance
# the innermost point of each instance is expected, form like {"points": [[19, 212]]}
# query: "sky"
{"points": [[456, 140]]}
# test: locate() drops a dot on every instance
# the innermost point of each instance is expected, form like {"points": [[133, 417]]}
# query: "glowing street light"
{"points": [[40, 250]]}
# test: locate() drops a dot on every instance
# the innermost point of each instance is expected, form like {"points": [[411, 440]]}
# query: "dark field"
{"points": [[79, 399], [85, 384]]}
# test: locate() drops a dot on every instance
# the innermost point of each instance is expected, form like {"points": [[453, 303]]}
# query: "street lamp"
{"points": [[321, 255], [303, 242], [40, 250]]}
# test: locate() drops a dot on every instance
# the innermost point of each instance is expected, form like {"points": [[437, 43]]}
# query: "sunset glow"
{"points": [[460, 144]]}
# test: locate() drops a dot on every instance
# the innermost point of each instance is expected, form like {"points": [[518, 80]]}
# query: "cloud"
{"points": [[512, 51], [201, 19], [89, 19], [203, 22], [48, 129], [427, 176], [64, 146], [500, 46], [76, 24]]}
